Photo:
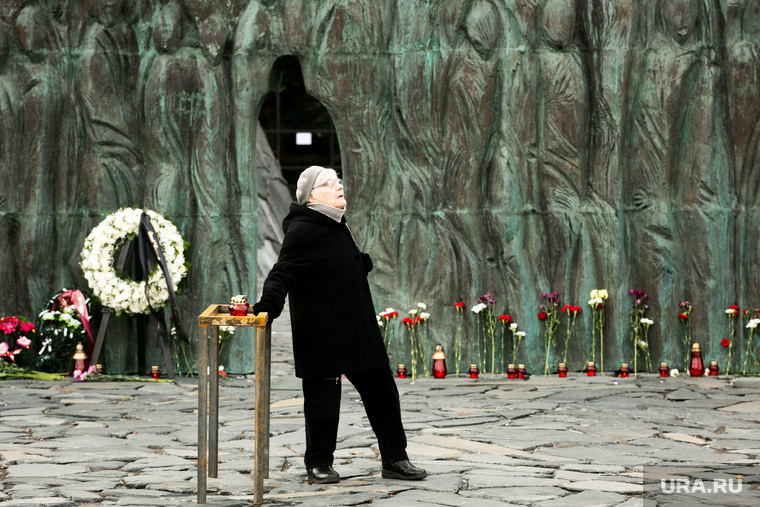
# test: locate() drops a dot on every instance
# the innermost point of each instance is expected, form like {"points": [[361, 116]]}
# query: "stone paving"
{"points": [[542, 442]]}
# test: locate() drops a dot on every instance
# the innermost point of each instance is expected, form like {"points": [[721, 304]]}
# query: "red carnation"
{"points": [[409, 322], [459, 305], [505, 318], [725, 342], [576, 309], [683, 316], [567, 309], [600, 306], [542, 315]]}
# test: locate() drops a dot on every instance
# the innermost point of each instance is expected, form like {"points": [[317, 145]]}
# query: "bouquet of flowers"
{"points": [[15, 333]]}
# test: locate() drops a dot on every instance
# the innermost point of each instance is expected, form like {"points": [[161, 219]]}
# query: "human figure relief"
{"points": [[562, 133], [10, 128], [743, 41], [670, 182], [41, 105], [106, 94]]}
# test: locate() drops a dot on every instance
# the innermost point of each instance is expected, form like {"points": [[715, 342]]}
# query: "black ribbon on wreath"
{"points": [[150, 253]]}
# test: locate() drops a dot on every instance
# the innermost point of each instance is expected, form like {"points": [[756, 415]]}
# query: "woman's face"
{"points": [[323, 193]]}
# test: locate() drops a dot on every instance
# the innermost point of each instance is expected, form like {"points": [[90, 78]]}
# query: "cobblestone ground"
{"points": [[543, 442]]}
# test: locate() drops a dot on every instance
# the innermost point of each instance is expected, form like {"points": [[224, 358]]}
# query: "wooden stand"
{"points": [[208, 395]]}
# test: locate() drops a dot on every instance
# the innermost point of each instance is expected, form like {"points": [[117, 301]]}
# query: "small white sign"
{"points": [[303, 138]]}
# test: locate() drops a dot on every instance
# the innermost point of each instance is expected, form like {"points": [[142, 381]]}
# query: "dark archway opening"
{"points": [[298, 127]]}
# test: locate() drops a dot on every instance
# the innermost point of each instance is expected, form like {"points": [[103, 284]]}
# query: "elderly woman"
{"points": [[335, 331]]}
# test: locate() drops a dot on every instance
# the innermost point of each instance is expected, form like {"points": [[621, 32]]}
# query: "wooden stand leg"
{"points": [[213, 404], [261, 431], [203, 340]]}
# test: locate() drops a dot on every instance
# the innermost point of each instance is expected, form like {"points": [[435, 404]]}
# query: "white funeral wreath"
{"points": [[122, 294]]}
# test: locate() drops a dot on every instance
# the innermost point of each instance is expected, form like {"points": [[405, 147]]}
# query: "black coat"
{"points": [[332, 316]]}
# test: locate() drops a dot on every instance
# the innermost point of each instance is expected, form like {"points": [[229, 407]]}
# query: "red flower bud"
{"points": [[542, 315], [725, 342], [683, 316]]}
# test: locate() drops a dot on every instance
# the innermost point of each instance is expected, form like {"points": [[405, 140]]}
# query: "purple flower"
{"points": [[631, 293], [638, 302], [543, 295]]}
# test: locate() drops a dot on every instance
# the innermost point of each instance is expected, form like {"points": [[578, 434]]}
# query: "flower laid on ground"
{"points": [[574, 310], [486, 318], [685, 317], [504, 320], [81, 375], [459, 307], [388, 332], [598, 303], [222, 373], [674, 372], [549, 315], [127, 296], [732, 312], [517, 336], [639, 327], [751, 348], [418, 337], [15, 333]]}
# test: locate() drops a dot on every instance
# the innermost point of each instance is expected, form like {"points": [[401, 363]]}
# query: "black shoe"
{"points": [[322, 475], [403, 470]]}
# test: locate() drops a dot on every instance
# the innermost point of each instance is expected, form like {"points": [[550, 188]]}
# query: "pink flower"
{"points": [[8, 327], [27, 327], [24, 342], [3, 348]]}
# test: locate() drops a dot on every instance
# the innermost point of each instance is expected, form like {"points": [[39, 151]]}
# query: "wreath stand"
{"points": [[156, 318]]}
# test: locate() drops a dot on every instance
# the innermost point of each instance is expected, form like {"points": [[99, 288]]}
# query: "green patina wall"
{"points": [[514, 147]]}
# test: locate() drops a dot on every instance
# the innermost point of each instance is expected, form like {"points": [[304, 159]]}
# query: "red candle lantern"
{"points": [[474, 371], [591, 369], [439, 362], [562, 369], [696, 366], [401, 371], [155, 372], [511, 371], [713, 368], [664, 370], [624, 370], [521, 371], [238, 305]]}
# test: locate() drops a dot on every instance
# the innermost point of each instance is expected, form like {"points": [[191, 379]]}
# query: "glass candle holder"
{"points": [[511, 371], [714, 370], [155, 372], [474, 371], [439, 362], [521, 371], [401, 371], [624, 370], [696, 366], [99, 368], [664, 370], [562, 369], [591, 369], [238, 305]]}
